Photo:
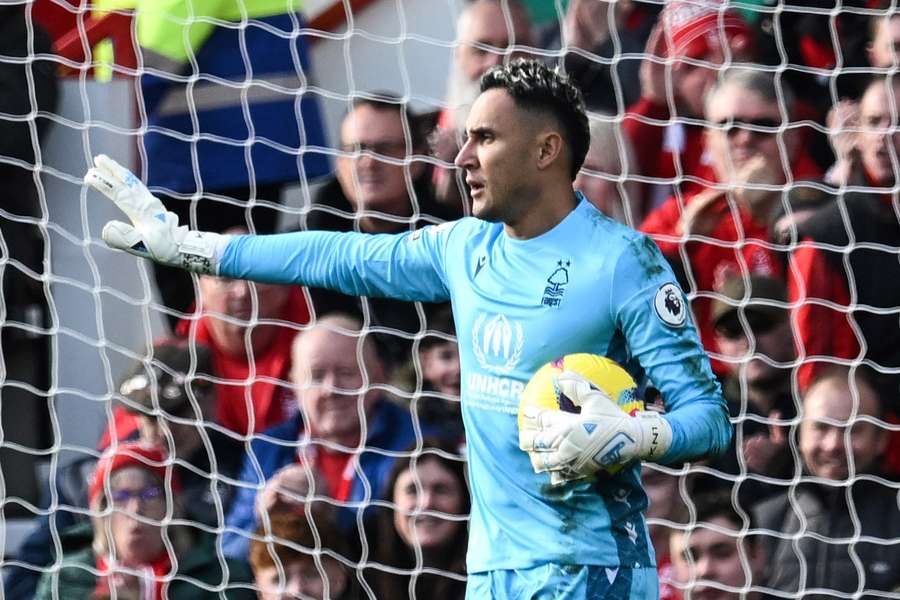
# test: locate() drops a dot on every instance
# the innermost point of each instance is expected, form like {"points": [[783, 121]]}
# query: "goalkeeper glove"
{"points": [[572, 446], [154, 232]]}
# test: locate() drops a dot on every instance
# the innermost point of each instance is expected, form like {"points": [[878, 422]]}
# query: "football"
{"points": [[542, 390]]}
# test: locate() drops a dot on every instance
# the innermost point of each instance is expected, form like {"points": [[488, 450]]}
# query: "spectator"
{"points": [[249, 328], [218, 152], [604, 177], [833, 530], [425, 535], [344, 429], [663, 512], [294, 557], [853, 291], [437, 405], [753, 334], [370, 194], [170, 399], [884, 47], [745, 149], [827, 58], [132, 549], [715, 559], [690, 34], [487, 33], [594, 30]]}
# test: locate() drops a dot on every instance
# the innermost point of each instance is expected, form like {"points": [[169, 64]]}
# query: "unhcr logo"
{"points": [[497, 343]]}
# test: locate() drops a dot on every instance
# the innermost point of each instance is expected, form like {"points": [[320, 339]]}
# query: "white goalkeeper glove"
{"points": [[573, 446], [154, 232]]}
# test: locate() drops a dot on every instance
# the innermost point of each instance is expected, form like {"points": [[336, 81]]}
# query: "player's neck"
{"points": [[552, 206]]}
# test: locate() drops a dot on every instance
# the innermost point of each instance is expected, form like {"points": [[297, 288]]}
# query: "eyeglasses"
{"points": [[150, 495], [392, 149], [730, 326], [755, 127]]}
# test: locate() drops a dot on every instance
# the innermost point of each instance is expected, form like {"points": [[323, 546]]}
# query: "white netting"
{"points": [[236, 118]]}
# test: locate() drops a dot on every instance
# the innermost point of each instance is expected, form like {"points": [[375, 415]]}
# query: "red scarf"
{"points": [[258, 383], [150, 580]]}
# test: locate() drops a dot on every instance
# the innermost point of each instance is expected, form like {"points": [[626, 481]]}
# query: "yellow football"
{"points": [[542, 390]]}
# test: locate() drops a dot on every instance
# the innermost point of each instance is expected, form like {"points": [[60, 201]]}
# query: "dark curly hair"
{"points": [[535, 86]]}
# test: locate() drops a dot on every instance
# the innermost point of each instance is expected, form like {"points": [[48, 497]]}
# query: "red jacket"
{"points": [[739, 241], [260, 387], [670, 151]]}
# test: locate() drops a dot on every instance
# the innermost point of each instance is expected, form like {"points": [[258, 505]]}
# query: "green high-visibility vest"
{"points": [[174, 29]]}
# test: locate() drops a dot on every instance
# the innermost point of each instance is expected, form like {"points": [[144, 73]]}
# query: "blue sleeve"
{"points": [[406, 266], [669, 351], [240, 521]]}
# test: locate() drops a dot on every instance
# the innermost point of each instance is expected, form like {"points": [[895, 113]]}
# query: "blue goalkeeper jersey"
{"points": [[587, 285]]}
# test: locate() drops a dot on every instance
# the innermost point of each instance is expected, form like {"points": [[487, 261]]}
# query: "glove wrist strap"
{"points": [[656, 435], [200, 251]]}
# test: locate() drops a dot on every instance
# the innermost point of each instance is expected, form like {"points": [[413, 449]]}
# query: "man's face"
{"points": [[601, 189], [879, 138], [440, 366], [827, 411], [691, 82], [234, 298], [885, 49], [486, 24], [498, 157], [737, 140], [370, 170], [771, 338], [712, 560], [302, 579], [329, 384]]}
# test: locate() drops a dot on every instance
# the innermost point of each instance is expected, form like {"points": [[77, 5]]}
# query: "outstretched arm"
{"points": [[406, 266]]}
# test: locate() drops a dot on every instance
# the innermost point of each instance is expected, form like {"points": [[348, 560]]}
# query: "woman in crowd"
{"points": [[420, 544], [129, 550]]}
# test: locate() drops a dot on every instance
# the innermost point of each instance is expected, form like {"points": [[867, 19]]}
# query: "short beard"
{"points": [[461, 95]]}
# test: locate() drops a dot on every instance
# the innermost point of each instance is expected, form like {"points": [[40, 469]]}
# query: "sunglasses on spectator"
{"points": [[756, 127], [151, 494], [730, 326], [395, 149]]}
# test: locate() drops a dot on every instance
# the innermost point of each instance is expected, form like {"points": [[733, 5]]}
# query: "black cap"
{"points": [[164, 382], [767, 297]]}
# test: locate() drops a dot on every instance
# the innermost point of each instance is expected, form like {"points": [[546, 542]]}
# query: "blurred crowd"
{"points": [[315, 441]]}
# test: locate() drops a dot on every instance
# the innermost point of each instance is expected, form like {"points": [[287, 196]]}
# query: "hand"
{"points": [[759, 170], [843, 116], [760, 451], [586, 24], [154, 232], [288, 490], [703, 213], [573, 446], [653, 74]]}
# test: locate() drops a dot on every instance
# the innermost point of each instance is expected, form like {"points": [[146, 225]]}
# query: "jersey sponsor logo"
{"points": [[670, 305], [497, 343], [557, 282]]}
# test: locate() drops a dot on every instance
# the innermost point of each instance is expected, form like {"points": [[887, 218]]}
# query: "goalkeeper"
{"points": [[537, 274]]}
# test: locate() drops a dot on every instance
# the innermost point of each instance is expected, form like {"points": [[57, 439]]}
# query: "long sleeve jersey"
{"points": [[587, 285]]}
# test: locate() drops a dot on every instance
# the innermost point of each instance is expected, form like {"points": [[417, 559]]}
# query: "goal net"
{"points": [[271, 116]]}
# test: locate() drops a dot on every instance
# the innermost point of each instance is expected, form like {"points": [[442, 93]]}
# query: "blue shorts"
{"points": [[564, 582]]}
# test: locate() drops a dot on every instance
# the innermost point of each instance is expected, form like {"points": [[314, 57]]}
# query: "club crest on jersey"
{"points": [[557, 282], [670, 305]]}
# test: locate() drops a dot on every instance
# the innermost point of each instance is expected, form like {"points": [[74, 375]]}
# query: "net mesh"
{"points": [[235, 119]]}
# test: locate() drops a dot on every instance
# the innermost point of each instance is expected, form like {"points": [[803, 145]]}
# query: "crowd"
{"points": [[319, 435]]}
